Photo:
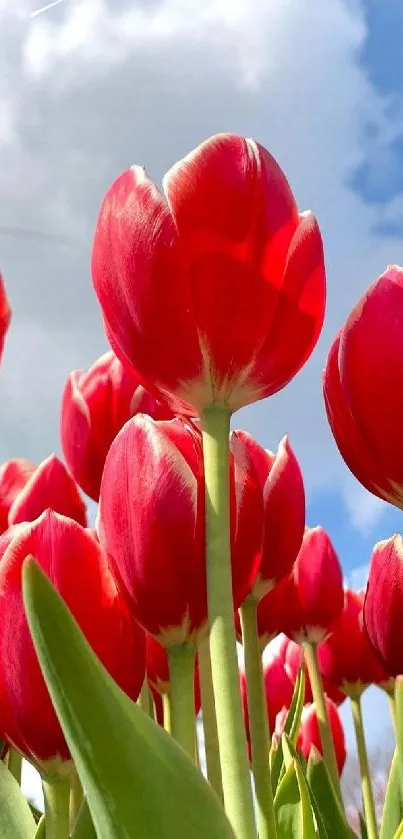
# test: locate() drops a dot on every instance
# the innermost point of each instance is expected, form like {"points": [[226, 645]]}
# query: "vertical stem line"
{"points": [[367, 793], [224, 665], [325, 731], [181, 671], [209, 718], [56, 795]]}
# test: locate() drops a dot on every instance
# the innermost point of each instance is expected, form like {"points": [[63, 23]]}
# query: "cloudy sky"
{"points": [[89, 87]]}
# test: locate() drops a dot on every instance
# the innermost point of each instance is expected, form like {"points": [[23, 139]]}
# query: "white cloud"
{"points": [[91, 86]]}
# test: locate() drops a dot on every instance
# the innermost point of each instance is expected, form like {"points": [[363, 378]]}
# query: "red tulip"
{"points": [[383, 607], [14, 474], [152, 525], [214, 291], [5, 315], [95, 406], [270, 613], [363, 408], [314, 593], [49, 487], [78, 568], [309, 736], [291, 655], [347, 658], [284, 509], [278, 681], [157, 670]]}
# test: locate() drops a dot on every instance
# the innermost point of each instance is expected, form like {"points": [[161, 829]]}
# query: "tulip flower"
{"points": [[214, 290], [96, 404], [49, 487], [347, 658], [383, 607], [14, 474], [364, 410], [5, 315], [313, 596], [279, 684], [77, 567], [284, 509], [309, 734], [152, 525]]}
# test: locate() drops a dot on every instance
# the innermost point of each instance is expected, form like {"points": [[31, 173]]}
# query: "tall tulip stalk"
{"points": [[212, 294]]}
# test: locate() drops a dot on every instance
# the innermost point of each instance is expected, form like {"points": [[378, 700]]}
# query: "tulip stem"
{"points": [[15, 765], [258, 721], [209, 718], [224, 664], [56, 796], [76, 798], [366, 786], [325, 731], [166, 711], [181, 673], [392, 710]]}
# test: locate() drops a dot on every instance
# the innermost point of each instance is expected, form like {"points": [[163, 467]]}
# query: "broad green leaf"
{"points": [[324, 799], [292, 803], [41, 829], [291, 728], [16, 819], [393, 806], [290, 755], [84, 827], [139, 783]]}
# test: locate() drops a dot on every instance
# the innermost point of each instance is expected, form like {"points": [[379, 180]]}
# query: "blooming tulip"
{"points": [[383, 607], [284, 509], [5, 314], [152, 525], [215, 290], [49, 486], [95, 406], [362, 383], [314, 592], [14, 474], [347, 658], [77, 567]]}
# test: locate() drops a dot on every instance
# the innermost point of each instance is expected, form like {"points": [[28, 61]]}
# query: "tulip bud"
{"points": [[14, 474], [95, 406], [363, 410], [284, 509], [347, 658], [201, 288], [77, 567], [279, 685], [383, 607], [49, 487], [309, 735], [152, 525], [5, 315]]}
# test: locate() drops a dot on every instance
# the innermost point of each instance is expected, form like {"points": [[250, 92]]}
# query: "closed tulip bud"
{"points": [[315, 595], [346, 658], [49, 487], [279, 685], [201, 287], [5, 315], [14, 474], [363, 410], [309, 735], [383, 607], [284, 509], [95, 406], [152, 525], [77, 567]]}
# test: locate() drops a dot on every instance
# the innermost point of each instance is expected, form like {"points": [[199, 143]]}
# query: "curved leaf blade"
{"points": [[16, 819]]}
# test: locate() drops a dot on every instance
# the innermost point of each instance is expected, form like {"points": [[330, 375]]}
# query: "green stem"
{"points": [[392, 709], [325, 731], [367, 794], [258, 722], [224, 665], [166, 707], [209, 718], [15, 764], [145, 700], [181, 671], [76, 797], [56, 795]]}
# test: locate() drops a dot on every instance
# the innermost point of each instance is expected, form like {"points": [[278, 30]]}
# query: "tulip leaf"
{"points": [[84, 826], [41, 829], [16, 819], [324, 800], [138, 781], [292, 807], [399, 832], [393, 806], [291, 728]]}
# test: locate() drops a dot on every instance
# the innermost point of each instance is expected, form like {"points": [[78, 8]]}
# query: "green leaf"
{"points": [[291, 728], [393, 806], [399, 832], [138, 781], [326, 805], [292, 807], [16, 819], [41, 829], [84, 826]]}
